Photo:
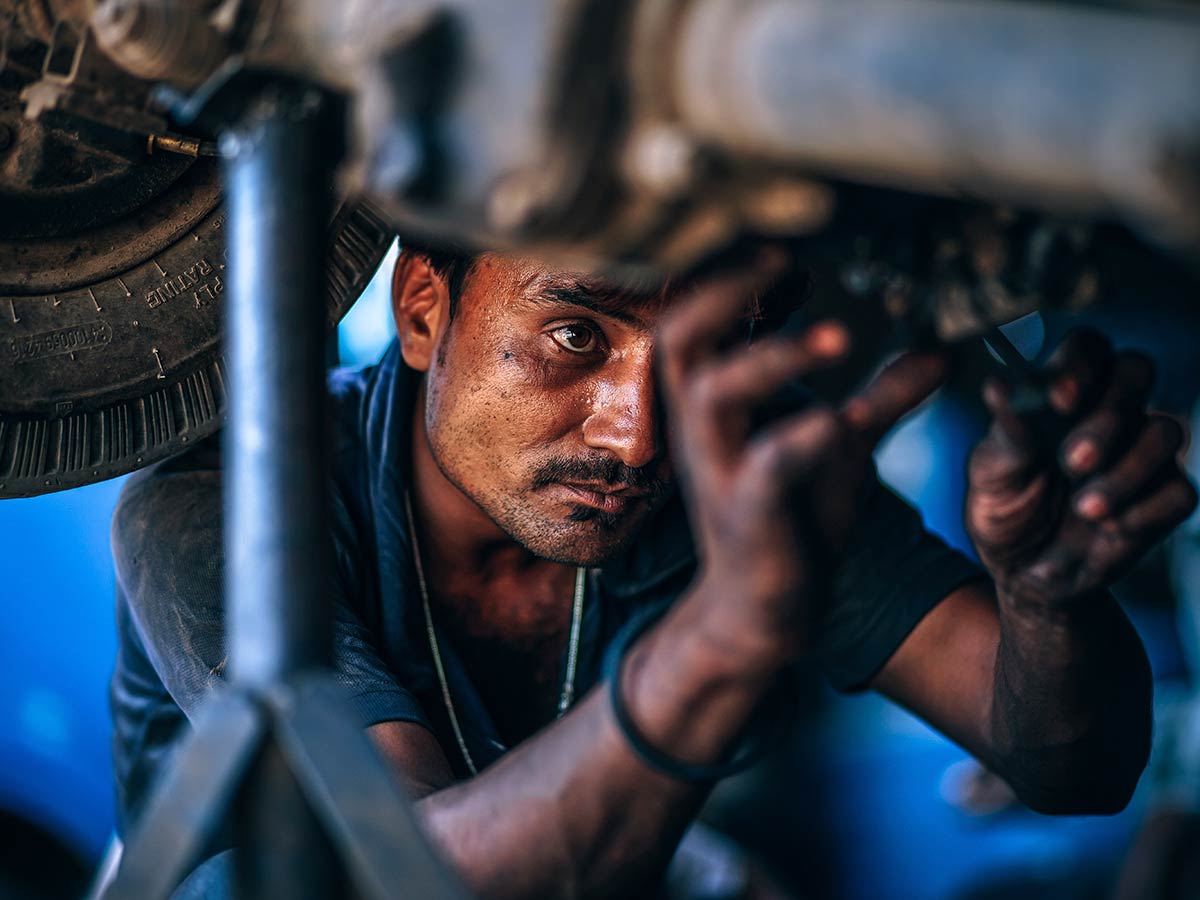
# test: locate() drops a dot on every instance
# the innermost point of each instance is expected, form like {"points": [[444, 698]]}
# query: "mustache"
{"points": [[609, 472]]}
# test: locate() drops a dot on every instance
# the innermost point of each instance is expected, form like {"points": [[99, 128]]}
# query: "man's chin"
{"points": [[584, 537]]}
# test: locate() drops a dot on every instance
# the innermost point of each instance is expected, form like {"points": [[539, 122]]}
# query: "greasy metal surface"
{"points": [[279, 168], [657, 130], [1056, 106]]}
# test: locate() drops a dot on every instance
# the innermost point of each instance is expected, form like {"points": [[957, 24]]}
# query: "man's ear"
{"points": [[421, 307]]}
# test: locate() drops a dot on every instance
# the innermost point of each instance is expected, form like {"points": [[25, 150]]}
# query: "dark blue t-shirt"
{"points": [[167, 546]]}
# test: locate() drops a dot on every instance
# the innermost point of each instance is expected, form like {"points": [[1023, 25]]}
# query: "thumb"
{"points": [[899, 388]]}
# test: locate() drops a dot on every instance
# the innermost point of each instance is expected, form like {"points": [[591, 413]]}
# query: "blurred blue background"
{"points": [[866, 814]]}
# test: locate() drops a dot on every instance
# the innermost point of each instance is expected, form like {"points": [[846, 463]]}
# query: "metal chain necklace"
{"points": [[566, 697]]}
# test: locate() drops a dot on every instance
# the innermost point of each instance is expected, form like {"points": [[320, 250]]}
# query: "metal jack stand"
{"points": [[279, 754]]}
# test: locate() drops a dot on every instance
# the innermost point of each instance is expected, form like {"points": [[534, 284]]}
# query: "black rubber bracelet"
{"points": [[754, 749]]}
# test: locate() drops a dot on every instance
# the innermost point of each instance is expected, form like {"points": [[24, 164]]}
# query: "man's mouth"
{"points": [[604, 497]]}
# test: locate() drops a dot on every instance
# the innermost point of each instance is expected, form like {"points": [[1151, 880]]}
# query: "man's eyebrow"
{"points": [[602, 301]]}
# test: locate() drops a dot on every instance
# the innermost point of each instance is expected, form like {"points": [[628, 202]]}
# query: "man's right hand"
{"points": [[771, 507]]}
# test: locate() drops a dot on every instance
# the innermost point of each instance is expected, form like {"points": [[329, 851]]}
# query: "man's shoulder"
{"points": [[370, 404], [173, 497], [184, 492]]}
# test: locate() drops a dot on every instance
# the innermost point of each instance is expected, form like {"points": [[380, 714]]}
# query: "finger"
{"points": [[726, 391], [1162, 511], [696, 330], [1106, 430], [1111, 491], [996, 471], [898, 389], [1009, 432], [793, 450], [1078, 371]]}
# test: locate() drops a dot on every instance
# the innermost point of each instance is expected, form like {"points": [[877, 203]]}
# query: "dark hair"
{"points": [[790, 289], [453, 264]]}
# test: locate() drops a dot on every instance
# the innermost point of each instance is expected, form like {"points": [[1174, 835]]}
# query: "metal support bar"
{"points": [[193, 799], [280, 746], [279, 174], [356, 798]]}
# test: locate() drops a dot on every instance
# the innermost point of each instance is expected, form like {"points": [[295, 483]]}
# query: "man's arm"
{"points": [[1040, 674], [573, 812], [1060, 710]]}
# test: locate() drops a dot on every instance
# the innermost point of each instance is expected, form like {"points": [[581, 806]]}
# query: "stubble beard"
{"points": [[585, 536]]}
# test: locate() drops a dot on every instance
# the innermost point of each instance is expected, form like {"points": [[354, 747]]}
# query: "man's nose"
{"points": [[624, 419]]}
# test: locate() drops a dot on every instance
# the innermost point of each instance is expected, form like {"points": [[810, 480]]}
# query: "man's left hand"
{"points": [[1054, 525]]}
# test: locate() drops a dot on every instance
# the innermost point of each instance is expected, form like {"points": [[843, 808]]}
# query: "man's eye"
{"points": [[576, 338]]}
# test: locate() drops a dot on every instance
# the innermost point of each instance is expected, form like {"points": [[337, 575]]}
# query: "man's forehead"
{"points": [[537, 282], [638, 301]]}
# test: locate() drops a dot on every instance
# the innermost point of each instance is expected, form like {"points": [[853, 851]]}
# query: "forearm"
{"points": [[1071, 710], [573, 812]]}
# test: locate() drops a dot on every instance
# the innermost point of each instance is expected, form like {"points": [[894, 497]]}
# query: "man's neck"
{"points": [[470, 560]]}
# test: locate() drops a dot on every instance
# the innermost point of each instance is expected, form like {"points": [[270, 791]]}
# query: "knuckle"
{"points": [[800, 446], [766, 467], [672, 338], [825, 432], [992, 467], [777, 355], [826, 425], [707, 391], [1102, 425]]}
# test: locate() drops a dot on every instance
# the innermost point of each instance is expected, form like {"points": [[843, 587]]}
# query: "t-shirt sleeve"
{"points": [[374, 688], [167, 547], [893, 574]]}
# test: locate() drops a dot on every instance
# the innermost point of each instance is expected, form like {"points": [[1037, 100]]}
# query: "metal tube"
{"points": [[1055, 105], [276, 547], [278, 175]]}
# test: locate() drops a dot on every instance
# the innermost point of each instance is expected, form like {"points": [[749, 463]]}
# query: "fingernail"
{"points": [[1083, 455], [1091, 506], [828, 339], [1064, 394]]}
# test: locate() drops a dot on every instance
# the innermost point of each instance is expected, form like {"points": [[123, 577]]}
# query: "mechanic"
{"points": [[549, 486]]}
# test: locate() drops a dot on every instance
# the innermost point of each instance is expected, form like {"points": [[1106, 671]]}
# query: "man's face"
{"points": [[541, 407]]}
